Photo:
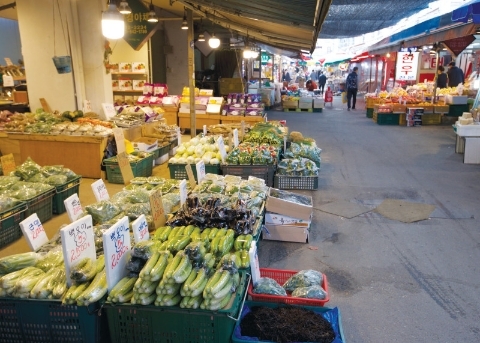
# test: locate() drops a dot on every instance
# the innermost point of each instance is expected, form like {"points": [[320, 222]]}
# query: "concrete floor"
{"points": [[393, 282]]}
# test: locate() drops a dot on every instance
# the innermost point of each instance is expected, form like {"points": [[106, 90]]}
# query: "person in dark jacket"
{"points": [[441, 77], [352, 88], [286, 76], [322, 80], [455, 75]]}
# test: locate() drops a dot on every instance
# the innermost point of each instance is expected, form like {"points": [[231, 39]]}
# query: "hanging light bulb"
{"points": [[201, 37], [152, 16], [247, 53], [124, 8], [184, 22], [214, 42], [254, 53], [113, 26]]}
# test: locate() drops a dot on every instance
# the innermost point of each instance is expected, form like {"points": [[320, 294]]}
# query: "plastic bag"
{"points": [[170, 201], [304, 278], [267, 285], [7, 202], [39, 177], [27, 169], [56, 180], [24, 193], [138, 196], [143, 250], [103, 211], [135, 210], [312, 292]]}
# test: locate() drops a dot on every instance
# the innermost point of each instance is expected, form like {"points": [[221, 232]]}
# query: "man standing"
{"points": [[322, 80], [352, 88], [455, 75]]}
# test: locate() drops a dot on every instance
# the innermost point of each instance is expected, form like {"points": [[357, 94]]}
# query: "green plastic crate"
{"points": [[142, 167], [42, 205], [457, 110], [236, 339], [265, 172], [156, 324], [34, 320], [178, 171], [388, 119], [63, 192], [9, 224], [369, 112]]}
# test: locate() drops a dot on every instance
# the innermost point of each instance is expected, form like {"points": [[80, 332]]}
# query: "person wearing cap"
{"points": [[352, 88], [455, 75]]}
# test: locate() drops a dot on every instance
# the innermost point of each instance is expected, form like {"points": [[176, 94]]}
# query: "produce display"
{"points": [[253, 153], [198, 148], [129, 116], [226, 129], [267, 133]]}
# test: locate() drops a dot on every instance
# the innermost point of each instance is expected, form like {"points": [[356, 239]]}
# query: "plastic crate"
{"points": [[42, 205], [369, 112], [9, 224], [337, 326], [295, 182], [386, 118], [142, 167], [63, 192], [265, 172], [431, 119], [457, 110], [136, 323], [34, 320], [281, 276], [178, 171]]}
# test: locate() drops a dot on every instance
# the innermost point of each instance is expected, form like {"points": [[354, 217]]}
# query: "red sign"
{"points": [[457, 45]]}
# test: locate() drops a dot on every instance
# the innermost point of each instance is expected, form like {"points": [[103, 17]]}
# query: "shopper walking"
{"points": [[441, 77], [322, 80], [352, 88], [455, 75]]}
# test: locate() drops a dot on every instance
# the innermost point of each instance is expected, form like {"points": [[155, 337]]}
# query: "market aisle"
{"points": [[393, 282]]}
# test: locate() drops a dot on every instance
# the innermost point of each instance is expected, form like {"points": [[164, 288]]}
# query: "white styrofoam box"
{"points": [[146, 144], [318, 103], [279, 219], [214, 108], [305, 100], [162, 159], [472, 130], [456, 99], [172, 151]]}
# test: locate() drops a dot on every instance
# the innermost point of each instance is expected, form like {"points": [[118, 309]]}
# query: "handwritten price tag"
{"points": [[119, 139], [87, 106], [221, 148], [8, 164], [78, 242], [200, 166], [125, 167], [33, 232], [109, 111], [191, 177], [140, 229], [235, 138], [73, 207], [158, 212], [183, 191], [100, 190], [116, 245]]}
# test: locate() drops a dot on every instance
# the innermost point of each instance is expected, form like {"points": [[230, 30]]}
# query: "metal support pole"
{"points": [[435, 80], [376, 72], [191, 72], [370, 79]]}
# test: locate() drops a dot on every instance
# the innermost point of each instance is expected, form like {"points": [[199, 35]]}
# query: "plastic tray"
{"points": [[63, 192], [178, 171], [281, 276], [136, 323], [34, 320], [265, 172], [295, 182], [369, 112], [340, 334], [142, 167], [42, 205], [9, 224]]}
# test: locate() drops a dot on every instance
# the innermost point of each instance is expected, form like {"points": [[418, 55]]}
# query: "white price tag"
{"points": [[140, 229], [254, 265], [235, 138], [221, 149], [87, 106], [7, 81], [78, 242], [179, 136], [119, 139], [183, 191], [284, 144], [204, 130], [109, 111], [100, 190], [116, 245], [33, 232], [200, 166], [73, 207]]}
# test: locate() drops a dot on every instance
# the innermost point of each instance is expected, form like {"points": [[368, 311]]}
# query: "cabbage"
{"points": [[218, 156], [190, 160], [214, 161], [204, 140], [182, 160], [198, 159], [191, 150], [181, 150], [199, 150], [185, 155], [173, 160], [207, 157], [194, 141], [186, 144], [227, 148], [214, 147]]}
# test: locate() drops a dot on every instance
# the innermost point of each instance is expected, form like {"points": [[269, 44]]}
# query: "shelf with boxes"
{"points": [[128, 81]]}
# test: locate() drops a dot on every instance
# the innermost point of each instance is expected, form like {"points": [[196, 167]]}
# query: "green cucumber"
{"points": [[223, 280]]}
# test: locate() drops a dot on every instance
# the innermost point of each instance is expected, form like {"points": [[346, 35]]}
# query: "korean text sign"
{"points": [[407, 66]]}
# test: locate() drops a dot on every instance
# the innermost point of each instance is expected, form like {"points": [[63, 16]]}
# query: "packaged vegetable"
{"points": [[304, 278], [266, 285], [103, 211], [312, 292]]}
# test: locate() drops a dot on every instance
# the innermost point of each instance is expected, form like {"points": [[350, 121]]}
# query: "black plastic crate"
{"points": [[42, 205], [296, 182], [265, 172], [10, 224]]}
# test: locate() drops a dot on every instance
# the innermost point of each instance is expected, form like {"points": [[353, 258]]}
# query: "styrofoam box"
{"points": [[278, 219], [162, 159], [456, 100], [472, 130], [318, 103]]}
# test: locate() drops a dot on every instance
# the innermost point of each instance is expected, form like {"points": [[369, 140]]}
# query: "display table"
{"points": [[468, 142], [200, 120], [239, 119], [171, 115]]}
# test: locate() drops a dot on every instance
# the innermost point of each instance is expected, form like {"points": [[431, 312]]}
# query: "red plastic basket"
{"points": [[281, 276]]}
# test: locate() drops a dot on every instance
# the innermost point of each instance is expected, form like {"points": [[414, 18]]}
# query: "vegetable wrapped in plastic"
{"points": [[266, 285], [103, 211], [56, 180], [304, 278], [27, 169], [312, 292], [136, 210]]}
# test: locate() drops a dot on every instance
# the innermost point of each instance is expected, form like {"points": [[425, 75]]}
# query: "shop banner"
{"points": [[407, 66], [137, 29], [457, 45]]}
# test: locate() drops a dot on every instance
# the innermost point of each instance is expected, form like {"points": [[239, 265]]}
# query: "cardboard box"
{"points": [[290, 104], [138, 85], [215, 100], [286, 233], [125, 85], [456, 99], [115, 85], [318, 103], [278, 219], [206, 92], [139, 67], [125, 67], [146, 144], [289, 208]]}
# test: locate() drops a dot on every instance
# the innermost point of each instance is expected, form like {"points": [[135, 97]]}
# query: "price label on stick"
{"points": [[221, 149], [109, 111], [125, 167], [183, 191], [100, 190], [87, 106], [204, 130], [284, 143], [158, 212], [243, 129], [200, 166], [140, 229], [8, 164], [179, 136], [73, 207], [119, 139], [33, 232], [116, 245], [78, 242], [235, 138], [191, 177]]}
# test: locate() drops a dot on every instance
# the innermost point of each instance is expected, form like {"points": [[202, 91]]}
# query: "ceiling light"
{"points": [[247, 53], [214, 42], [152, 16], [184, 22], [388, 55], [201, 37], [113, 26], [124, 8]]}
